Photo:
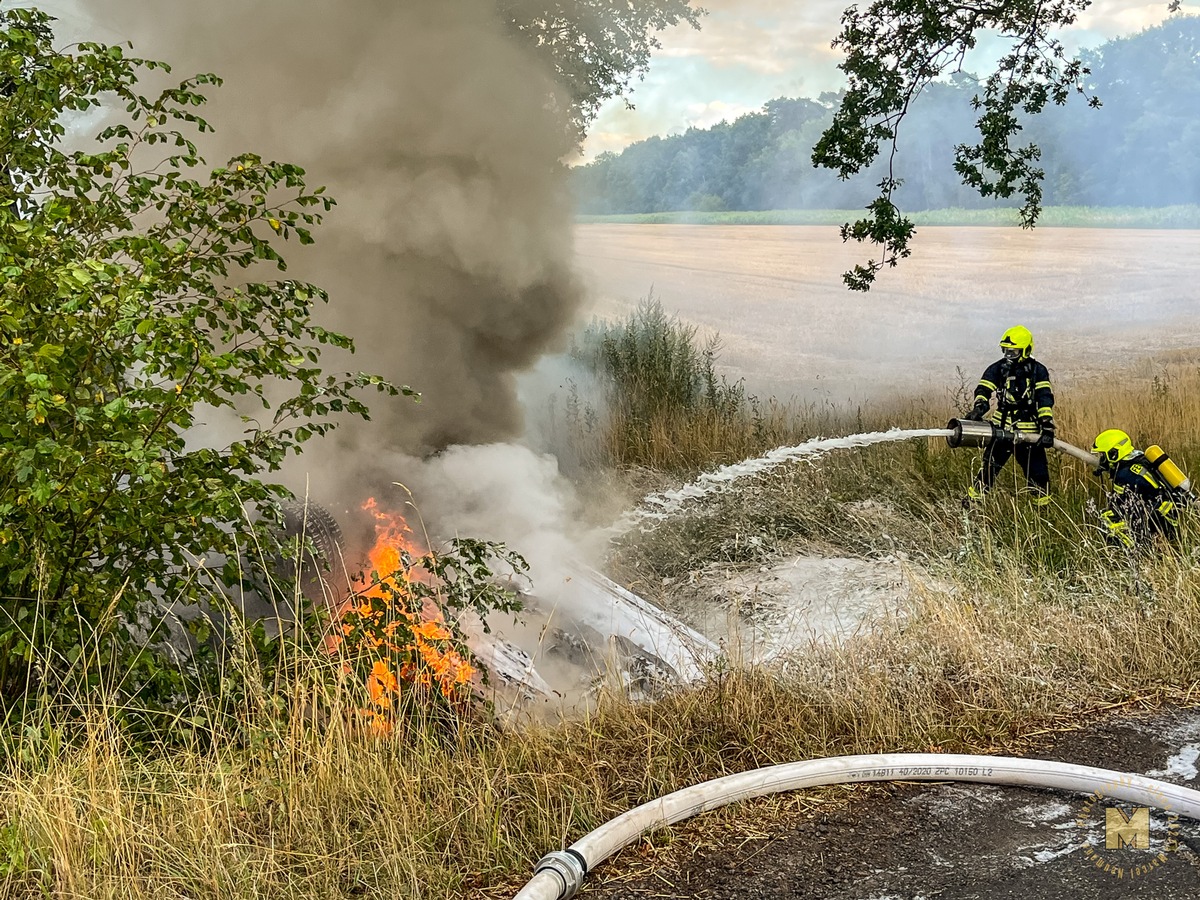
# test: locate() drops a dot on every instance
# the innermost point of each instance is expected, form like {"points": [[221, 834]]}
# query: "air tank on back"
{"points": [[1165, 466]]}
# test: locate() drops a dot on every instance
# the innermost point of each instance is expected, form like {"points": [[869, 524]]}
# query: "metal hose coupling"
{"points": [[969, 433], [568, 866]]}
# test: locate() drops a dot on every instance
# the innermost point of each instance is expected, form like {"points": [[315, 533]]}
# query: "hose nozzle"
{"points": [[968, 433]]}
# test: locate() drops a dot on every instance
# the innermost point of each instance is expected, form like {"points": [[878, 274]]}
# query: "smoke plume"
{"points": [[448, 257]]}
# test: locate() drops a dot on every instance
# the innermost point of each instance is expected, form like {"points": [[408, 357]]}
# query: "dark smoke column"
{"points": [[448, 257]]}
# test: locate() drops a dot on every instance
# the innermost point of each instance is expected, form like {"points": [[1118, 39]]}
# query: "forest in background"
{"points": [[1138, 149]]}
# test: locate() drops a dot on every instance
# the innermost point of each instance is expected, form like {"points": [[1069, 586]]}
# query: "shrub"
{"points": [[660, 381], [134, 297]]}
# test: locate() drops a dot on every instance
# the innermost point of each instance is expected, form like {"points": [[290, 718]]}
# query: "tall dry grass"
{"points": [[659, 403], [1023, 620], [327, 813]]}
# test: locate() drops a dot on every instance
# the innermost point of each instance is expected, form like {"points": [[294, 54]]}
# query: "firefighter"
{"points": [[1142, 502], [1024, 403]]}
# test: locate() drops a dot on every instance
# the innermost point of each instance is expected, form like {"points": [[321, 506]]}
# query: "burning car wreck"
{"points": [[569, 637]]}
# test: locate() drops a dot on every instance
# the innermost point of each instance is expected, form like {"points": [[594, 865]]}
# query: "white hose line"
{"points": [[559, 874], [1080, 454], [1061, 446]]}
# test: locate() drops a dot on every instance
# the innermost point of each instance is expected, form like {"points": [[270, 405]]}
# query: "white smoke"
{"points": [[502, 492]]}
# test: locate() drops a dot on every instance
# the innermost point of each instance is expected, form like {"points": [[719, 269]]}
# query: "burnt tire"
{"points": [[319, 572]]}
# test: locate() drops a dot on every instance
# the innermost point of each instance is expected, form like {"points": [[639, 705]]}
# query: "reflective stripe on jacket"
{"points": [[1023, 393], [1138, 496]]}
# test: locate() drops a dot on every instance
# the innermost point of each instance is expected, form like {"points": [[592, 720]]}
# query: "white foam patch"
{"points": [[1182, 764], [1041, 813], [810, 600], [797, 604], [1045, 856]]}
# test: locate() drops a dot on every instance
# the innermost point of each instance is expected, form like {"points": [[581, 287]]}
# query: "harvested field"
{"points": [[1094, 298]]}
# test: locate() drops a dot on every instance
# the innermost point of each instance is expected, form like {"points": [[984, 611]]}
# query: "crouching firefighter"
{"points": [[1024, 403], [1148, 490]]}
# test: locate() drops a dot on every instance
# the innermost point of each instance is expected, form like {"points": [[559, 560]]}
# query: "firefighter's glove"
{"points": [[1047, 437], [978, 411]]}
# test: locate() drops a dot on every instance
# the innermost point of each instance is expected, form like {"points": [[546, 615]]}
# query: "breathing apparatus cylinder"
{"points": [[1171, 473]]}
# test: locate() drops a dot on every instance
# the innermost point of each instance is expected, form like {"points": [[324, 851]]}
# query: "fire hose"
{"points": [[559, 874], [968, 433]]}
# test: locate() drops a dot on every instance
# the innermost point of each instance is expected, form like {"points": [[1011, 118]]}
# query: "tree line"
{"points": [[1136, 149]]}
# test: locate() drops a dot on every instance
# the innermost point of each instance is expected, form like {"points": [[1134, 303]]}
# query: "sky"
{"points": [[747, 52], [750, 51]]}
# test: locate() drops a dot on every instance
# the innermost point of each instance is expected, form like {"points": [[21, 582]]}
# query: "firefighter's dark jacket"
{"points": [[1141, 497], [1023, 393]]}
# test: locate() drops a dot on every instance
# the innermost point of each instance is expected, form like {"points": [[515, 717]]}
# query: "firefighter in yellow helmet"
{"points": [[1024, 402], [1142, 502]]}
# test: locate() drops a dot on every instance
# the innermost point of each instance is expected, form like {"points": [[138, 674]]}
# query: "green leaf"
{"points": [[121, 333]]}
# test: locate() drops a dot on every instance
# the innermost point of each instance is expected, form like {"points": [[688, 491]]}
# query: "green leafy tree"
{"points": [[596, 48], [139, 293], [894, 50]]}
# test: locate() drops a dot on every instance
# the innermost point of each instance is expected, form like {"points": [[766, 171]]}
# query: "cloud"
{"points": [[705, 115], [744, 54], [750, 51], [623, 126], [769, 37], [1112, 18], [609, 141]]}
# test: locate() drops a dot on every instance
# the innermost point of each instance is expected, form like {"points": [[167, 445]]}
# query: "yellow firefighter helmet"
{"points": [[1112, 446], [1017, 343]]}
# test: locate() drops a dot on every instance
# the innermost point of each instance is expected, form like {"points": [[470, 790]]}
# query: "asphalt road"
{"points": [[955, 841]]}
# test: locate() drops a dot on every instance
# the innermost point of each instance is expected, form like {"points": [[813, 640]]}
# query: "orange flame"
{"points": [[429, 658], [392, 559]]}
